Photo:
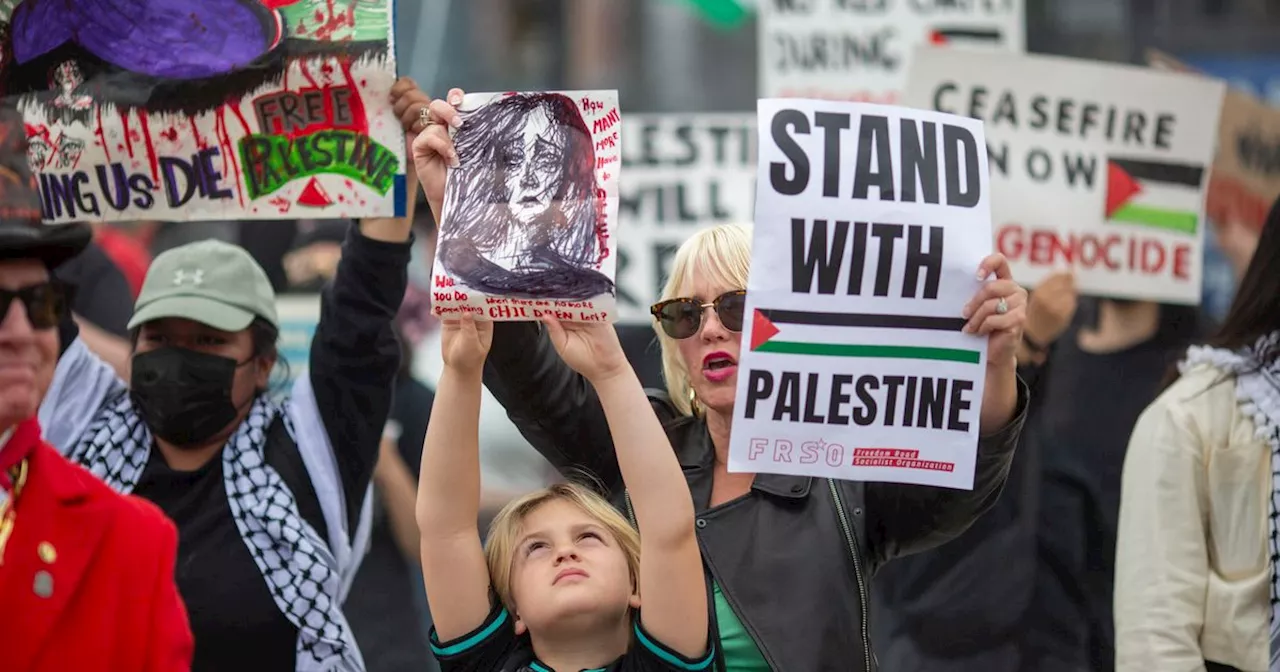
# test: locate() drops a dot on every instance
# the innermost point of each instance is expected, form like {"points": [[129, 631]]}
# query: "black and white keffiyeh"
{"points": [[1258, 392], [295, 562]]}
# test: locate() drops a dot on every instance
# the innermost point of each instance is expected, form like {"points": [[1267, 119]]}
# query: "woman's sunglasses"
{"points": [[46, 303], [682, 318]]}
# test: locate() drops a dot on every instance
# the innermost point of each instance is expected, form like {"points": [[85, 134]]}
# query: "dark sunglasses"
{"points": [[682, 318], [46, 303]]}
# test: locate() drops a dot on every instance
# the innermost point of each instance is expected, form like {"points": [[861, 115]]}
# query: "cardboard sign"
{"points": [[1246, 168], [218, 109], [530, 212], [683, 172], [1095, 167], [870, 224], [861, 49]]}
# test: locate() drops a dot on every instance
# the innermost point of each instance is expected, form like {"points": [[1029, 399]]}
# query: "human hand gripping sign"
{"points": [[464, 343], [433, 150], [998, 310], [590, 348]]}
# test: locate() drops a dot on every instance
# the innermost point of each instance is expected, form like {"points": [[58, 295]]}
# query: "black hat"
{"points": [[22, 235]]}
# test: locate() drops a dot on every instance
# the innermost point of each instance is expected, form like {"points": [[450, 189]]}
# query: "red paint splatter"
{"points": [[195, 133], [336, 20], [302, 65], [228, 153], [170, 134], [280, 203], [102, 136], [151, 148], [243, 124], [327, 70]]}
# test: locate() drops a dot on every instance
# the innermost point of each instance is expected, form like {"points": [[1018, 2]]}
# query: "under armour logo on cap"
{"points": [[182, 277]]}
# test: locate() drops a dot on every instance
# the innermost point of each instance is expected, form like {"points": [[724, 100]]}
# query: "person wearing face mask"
{"points": [[86, 574], [271, 499]]}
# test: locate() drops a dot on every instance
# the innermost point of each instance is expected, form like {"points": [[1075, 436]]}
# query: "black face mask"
{"points": [[184, 396]]}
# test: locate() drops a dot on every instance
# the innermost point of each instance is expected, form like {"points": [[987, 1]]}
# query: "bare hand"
{"points": [[464, 343], [590, 348], [433, 150], [1005, 330], [1051, 308], [407, 100]]}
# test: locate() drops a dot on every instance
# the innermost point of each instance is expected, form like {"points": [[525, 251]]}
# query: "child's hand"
{"points": [[464, 343], [590, 348]]}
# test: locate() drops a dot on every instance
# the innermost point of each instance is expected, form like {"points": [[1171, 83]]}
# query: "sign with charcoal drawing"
{"points": [[218, 109], [684, 172], [870, 222], [529, 212]]}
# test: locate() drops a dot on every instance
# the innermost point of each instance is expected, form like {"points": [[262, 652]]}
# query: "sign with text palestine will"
{"points": [[529, 213], [685, 172], [209, 110], [860, 50], [1096, 167], [870, 224]]}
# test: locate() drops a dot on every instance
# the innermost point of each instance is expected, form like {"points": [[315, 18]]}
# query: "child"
{"points": [[565, 567]]}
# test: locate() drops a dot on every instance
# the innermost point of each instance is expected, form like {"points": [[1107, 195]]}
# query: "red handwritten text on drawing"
{"points": [[603, 161], [608, 142], [606, 122], [294, 114], [591, 106]]}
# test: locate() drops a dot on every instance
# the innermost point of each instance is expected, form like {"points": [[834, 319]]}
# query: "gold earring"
{"points": [[693, 401]]}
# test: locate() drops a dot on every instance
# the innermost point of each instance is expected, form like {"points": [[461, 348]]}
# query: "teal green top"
{"points": [[740, 651]]}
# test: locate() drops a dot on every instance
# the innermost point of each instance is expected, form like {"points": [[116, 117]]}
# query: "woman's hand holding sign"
{"points": [[590, 348], [998, 310], [464, 343], [433, 151]]}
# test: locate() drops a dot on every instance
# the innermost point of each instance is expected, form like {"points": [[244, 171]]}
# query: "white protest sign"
{"points": [[683, 172], [860, 49], [870, 224], [530, 212], [1100, 168]]}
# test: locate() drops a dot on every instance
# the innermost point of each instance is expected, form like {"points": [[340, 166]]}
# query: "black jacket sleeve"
{"points": [[102, 295], [554, 407], [355, 356], [904, 519]]}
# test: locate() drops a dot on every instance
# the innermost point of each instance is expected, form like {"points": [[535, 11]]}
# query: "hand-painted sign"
{"points": [[218, 109]]}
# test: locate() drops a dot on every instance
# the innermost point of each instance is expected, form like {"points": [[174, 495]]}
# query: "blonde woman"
{"points": [[788, 558], [1195, 578], [565, 583]]}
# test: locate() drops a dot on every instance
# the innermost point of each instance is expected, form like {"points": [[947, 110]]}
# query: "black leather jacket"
{"points": [[784, 554]]}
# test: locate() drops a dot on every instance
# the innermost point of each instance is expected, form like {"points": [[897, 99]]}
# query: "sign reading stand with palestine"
{"points": [[870, 224], [1095, 167]]}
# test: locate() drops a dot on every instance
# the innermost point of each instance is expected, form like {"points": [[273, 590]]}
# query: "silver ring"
{"points": [[1002, 306]]}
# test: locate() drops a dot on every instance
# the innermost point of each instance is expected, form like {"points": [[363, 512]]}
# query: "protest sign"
{"points": [[861, 49], [218, 109], [1246, 169], [528, 223], [683, 172], [870, 224], [1096, 167]]}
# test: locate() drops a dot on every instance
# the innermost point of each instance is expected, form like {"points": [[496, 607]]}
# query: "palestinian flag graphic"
{"points": [[966, 36], [1154, 193], [804, 340]]}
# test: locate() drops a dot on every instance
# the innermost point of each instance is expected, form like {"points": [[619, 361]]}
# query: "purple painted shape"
{"points": [[169, 39]]}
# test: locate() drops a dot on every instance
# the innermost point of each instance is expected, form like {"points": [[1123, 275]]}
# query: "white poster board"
{"points": [[530, 212], [683, 172], [860, 49], [1095, 167], [870, 224]]}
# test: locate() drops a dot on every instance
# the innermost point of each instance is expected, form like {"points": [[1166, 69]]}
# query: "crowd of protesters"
{"points": [[1121, 514]]}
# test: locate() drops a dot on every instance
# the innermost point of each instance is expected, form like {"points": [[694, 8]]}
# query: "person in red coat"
{"points": [[86, 574]]}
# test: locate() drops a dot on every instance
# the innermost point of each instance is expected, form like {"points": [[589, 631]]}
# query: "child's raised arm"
{"points": [[453, 563], [673, 598]]}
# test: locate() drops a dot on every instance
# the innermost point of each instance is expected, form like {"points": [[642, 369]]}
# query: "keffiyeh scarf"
{"points": [[1258, 392], [296, 564]]}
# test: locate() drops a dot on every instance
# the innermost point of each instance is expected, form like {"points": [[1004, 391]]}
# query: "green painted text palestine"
{"points": [[272, 161]]}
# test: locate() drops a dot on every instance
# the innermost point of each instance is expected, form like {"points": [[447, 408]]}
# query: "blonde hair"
{"points": [[507, 526], [721, 254]]}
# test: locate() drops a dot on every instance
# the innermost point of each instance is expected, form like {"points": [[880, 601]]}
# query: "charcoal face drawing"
{"points": [[522, 206]]}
